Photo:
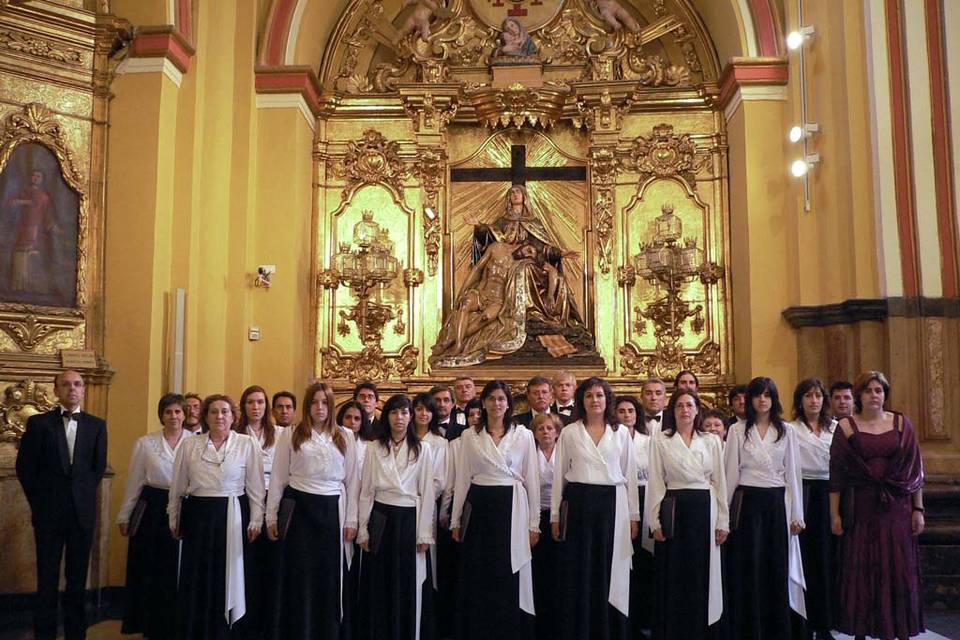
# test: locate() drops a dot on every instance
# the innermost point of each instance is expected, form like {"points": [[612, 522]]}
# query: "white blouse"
{"points": [[674, 465], [440, 447], [641, 448], [318, 468], [546, 477], [200, 470], [399, 481], [151, 465], [813, 450], [268, 453]]}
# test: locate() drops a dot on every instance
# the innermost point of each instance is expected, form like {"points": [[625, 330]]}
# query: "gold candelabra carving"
{"points": [[367, 266], [671, 264]]}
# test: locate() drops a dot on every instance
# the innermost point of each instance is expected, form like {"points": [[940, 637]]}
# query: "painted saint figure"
{"points": [[515, 41], [35, 213]]}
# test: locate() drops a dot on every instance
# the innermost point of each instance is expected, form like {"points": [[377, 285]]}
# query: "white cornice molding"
{"points": [[287, 101], [152, 65]]}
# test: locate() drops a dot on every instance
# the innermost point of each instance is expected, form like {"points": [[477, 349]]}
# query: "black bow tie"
{"points": [[70, 416], [568, 407], [646, 417]]}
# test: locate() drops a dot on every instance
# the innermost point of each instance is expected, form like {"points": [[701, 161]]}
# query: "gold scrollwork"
{"points": [[20, 401], [372, 160], [29, 331], [370, 364], [35, 123], [670, 358], [518, 105], [665, 154], [431, 169], [40, 48], [603, 171]]}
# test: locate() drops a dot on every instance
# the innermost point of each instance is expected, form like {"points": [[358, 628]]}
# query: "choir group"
{"points": [[587, 516]]}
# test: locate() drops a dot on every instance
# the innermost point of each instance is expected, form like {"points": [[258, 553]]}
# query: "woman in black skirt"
{"points": [[262, 558], [629, 411], [765, 574], [216, 509], [396, 527], [546, 560], [686, 508], [151, 594], [595, 486], [496, 521], [314, 471], [814, 429]]}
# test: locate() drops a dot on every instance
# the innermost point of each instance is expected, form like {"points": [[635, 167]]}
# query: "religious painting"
{"points": [[39, 215]]}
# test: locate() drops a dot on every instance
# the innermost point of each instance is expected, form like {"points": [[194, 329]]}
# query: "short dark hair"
{"points": [[366, 384], [168, 399], [283, 394], [473, 404], [641, 425], [696, 380], [841, 385], [536, 381], [735, 391], [489, 388], [441, 388]]}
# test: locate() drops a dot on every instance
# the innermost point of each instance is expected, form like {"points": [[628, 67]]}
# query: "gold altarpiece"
{"points": [[629, 113]]}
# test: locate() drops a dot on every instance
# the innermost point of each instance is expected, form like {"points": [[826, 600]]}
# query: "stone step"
{"points": [[941, 498], [941, 593], [941, 533], [940, 560]]}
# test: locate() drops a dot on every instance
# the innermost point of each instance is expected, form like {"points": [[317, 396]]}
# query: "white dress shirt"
{"points": [[150, 465], [70, 428], [753, 461], [653, 426], [440, 448], [641, 453], [546, 477], [511, 463], [674, 465], [318, 468], [813, 450]]}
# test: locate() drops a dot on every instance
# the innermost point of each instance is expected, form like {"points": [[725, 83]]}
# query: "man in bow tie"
{"points": [[443, 400], [61, 460], [564, 386], [539, 396], [653, 396]]}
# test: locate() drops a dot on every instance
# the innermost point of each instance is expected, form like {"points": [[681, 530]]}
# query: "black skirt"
{"points": [[310, 599], [818, 547], [641, 585], [151, 594], [758, 569], [203, 561], [488, 600], [683, 571], [261, 579], [446, 587], [585, 559], [388, 582], [546, 566]]}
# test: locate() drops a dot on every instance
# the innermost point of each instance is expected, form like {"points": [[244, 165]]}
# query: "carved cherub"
{"points": [[615, 15], [419, 18]]}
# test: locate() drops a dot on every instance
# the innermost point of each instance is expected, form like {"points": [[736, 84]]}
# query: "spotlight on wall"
{"points": [[799, 168], [795, 39], [798, 133]]}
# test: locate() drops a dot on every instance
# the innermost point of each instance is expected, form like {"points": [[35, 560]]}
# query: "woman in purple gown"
{"points": [[876, 475]]}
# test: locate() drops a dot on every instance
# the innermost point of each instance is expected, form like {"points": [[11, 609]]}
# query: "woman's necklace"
{"points": [[397, 443]]}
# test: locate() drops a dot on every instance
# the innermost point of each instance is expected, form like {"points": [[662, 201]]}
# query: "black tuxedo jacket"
{"points": [[571, 418], [526, 418], [56, 488]]}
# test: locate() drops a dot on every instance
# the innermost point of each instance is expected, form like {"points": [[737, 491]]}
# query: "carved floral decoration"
{"points": [[20, 401], [373, 159]]}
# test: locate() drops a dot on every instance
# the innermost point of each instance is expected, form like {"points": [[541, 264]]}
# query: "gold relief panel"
{"points": [[20, 401]]}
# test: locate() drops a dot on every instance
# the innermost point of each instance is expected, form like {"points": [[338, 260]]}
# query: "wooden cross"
{"points": [[518, 172]]}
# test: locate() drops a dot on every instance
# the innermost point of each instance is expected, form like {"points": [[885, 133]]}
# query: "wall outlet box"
{"points": [[253, 334]]}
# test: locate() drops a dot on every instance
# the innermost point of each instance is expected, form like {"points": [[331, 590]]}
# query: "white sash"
{"points": [[235, 601]]}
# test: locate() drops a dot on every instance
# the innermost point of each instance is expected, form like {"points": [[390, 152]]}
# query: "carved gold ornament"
{"points": [[603, 171], [518, 105], [20, 402], [372, 160], [40, 48], [431, 168], [370, 364], [665, 154], [28, 331]]}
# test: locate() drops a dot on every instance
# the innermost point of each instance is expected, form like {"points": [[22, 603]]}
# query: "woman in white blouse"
{"points": [[765, 573], [216, 509], [396, 527], [151, 593], [595, 486], [546, 560], [630, 411], [814, 430], [262, 558], [686, 508], [496, 520], [315, 478]]}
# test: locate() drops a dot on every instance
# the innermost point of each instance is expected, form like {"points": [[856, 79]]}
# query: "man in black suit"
{"points": [[443, 400], [539, 397], [564, 386], [62, 457]]}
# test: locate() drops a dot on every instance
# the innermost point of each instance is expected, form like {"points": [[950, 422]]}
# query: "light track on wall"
{"points": [[798, 40]]}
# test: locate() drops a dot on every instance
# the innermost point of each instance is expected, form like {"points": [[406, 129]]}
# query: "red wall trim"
{"points": [[942, 156], [184, 19], [751, 71], [765, 27], [281, 14], [902, 150], [290, 79], [162, 42]]}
